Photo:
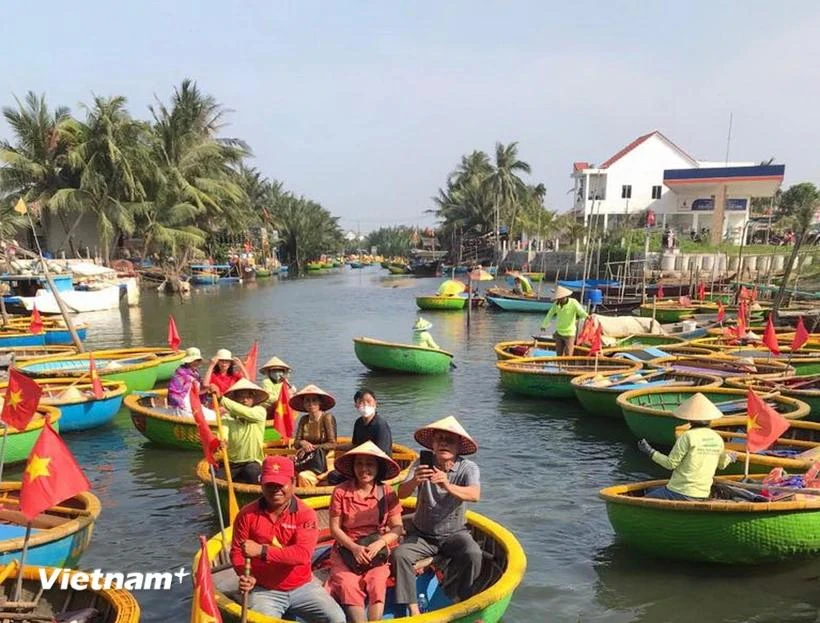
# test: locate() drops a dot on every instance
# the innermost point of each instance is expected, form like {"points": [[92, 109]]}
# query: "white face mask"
{"points": [[367, 410]]}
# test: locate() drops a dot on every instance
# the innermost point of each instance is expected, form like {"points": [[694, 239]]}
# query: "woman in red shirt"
{"points": [[223, 371], [365, 519]]}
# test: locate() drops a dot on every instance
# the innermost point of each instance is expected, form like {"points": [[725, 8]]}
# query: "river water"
{"points": [[542, 463]]}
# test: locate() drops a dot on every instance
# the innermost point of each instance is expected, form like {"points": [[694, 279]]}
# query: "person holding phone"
{"points": [[443, 480]]}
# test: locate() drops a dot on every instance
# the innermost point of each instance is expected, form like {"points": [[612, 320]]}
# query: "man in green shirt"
{"points": [[566, 311], [696, 455], [244, 428]]}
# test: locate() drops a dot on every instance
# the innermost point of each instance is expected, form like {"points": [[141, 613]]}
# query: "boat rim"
{"points": [[374, 342], [755, 384], [578, 381], [610, 366], [151, 361]]}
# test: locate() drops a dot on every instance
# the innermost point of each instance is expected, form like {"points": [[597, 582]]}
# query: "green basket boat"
{"points": [[667, 311], [722, 366], [263, 273], [543, 347], [648, 412], [804, 362], [169, 359], [550, 377], [502, 571], [403, 358], [600, 396], [802, 388], [158, 423], [139, 373], [246, 493], [435, 302], [716, 531], [20, 442], [641, 340]]}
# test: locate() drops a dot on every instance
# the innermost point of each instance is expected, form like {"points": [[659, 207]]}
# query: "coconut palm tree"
{"points": [[505, 187]]}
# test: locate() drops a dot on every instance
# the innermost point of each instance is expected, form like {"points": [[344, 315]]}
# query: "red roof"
{"points": [[580, 166], [637, 142]]}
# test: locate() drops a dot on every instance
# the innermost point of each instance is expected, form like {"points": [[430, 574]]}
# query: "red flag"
{"points": [[754, 294], [770, 337], [586, 331], [684, 301], [283, 414], [250, 361], [801, 336], [744, 293], [20, 403], [96, 385], [595, 342], [209, 443], [36, 324], [660, 291], [763, 424], [740, 329], [203, 608], [51, 476], [701, 291], [173, 335], [721, 314]]}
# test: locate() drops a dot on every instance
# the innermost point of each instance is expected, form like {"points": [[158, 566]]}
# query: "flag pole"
{"points": [[232, 504], [3, 447], [218, 506], [746, 466], [18, 590]]}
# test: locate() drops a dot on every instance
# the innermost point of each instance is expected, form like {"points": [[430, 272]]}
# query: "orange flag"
{"points": [[52, 475], [763, 424], [701, 291], [35, 325], [721, 313], [173, 335], [96, 384], [283, 414], [206, 437], [20, 403], [586, 331], [203, 608], [250, 361], [801, 336], [770, 337]]}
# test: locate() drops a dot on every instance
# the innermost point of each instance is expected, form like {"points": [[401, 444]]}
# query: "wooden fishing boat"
{"points": [[80, 410], [139, 373], [18, 337], [436, 302], [667, 311], [403, 358], [21, 354], [246, 493], [42, 604], [59, 536], [519, 304], [549, 377], [723, 366], [502, 571], [169, 359], [161, 425], [599, 395], [20, 442], [649, 412], [805, 388], [716, 530], [54, 331]]}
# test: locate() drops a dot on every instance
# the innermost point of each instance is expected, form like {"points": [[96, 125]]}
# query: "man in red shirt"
{"points": [[278, 532]]}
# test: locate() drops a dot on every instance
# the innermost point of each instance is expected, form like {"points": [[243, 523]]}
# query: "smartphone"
{"points": [[426, 458]]}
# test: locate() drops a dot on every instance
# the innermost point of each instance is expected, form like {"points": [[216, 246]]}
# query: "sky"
{"points": [[366, 107]]}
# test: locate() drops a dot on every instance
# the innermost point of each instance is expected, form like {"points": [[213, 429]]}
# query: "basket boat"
{"points": [[549, 377], [435, 302], [805, 362], [541, 346], [169, 359], [403, 358], [139, 373], [502, 571], [20, 442], [722, 366], [667, 311], [805, 388]]}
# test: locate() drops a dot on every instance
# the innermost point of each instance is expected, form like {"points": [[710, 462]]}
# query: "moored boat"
{"points": [[20, 442], [59, 535], [805, 388], [18, 337], [649, 413], [804, 362], [436, 302], [550, 377], [139, 373], [716, 530], [519, 304], [406, 358], [723, 366], [667, 311], [169, 359], [502, 571], [161, 424], [79, 408], [22, 354]]}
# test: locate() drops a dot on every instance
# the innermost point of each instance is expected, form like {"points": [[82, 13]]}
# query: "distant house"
{"points": [[653, 173]]}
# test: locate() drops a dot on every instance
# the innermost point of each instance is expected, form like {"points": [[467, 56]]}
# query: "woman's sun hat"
{"points": [[259, 394], [698, 408], [422, 325], [344, 463], [191, 355], [223, 354], [326, 401], [449, 424], [561, 292], [274, 363]]}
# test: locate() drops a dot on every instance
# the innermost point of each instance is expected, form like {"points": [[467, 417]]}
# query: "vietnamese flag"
{"points": [[52, 475], [684, 301], [660, 291], [206, 436], [770, 337], [701, 291], [721, 313], [20, 403], [801, 336], [763, 424], [96, 385], [250, 361], [173, 335], [586, 331], [35, 325], [283, 414], [203, 608], [595, 342]]}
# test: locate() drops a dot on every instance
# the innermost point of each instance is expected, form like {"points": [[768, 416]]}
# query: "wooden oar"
{"points": [[755, 487], [233, 506], [246, 593]]}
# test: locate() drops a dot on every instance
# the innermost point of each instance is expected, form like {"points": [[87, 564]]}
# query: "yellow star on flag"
{"points": [[20, 206], [751, 423], [37, 466], [15, 398]]}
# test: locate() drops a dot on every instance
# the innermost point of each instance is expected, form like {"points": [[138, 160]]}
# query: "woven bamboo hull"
{"points": [[441, 302], [20, 443], [402, 358], [140, 376], [716, 531], [535, 377], [169, 360], [810, 396]]}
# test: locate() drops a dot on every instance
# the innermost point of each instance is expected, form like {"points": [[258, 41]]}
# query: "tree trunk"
{"points": [[781, 292], [69, 233]]}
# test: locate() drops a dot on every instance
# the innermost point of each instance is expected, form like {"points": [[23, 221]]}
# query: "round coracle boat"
{"points": [[402, 358], [722, 366], [139, 373], [550, 377], [20, 442], [805, 388], [169, 359]]}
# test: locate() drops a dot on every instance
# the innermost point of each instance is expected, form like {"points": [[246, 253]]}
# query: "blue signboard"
{"points": [[707, 205]]}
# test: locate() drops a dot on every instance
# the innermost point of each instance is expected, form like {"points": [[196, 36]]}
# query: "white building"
{"points": [[652, 173]]}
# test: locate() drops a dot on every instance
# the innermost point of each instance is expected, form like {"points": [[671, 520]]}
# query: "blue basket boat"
{"points": [[54, 337]]}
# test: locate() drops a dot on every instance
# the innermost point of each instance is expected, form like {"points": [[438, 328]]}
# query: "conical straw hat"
{"points": [[422, 325], [449, 424], [326, 401], [344, 464], [698, 408], [260, 395], [561, 292], [274, 363]]}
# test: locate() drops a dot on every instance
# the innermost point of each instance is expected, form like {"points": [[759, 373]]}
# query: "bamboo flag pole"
{"points": [[3, 447], [218, 507], [18, 589]]}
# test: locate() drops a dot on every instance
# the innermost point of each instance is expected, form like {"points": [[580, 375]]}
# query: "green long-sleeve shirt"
{"points": [[423, 338], [566, 316], [245, 431], [694, 458]]}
